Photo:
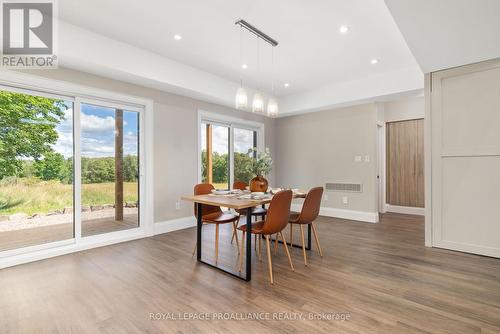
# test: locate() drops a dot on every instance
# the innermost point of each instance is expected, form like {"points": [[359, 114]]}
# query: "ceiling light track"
{"points": [[257, 32]]}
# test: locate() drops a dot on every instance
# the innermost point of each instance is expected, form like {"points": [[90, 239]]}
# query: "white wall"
{"points": [[404, 109], [320, 147]]}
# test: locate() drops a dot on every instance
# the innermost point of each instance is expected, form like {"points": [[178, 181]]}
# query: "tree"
{"points": [[27, 129], [130, 168], [242, 167], [51, 167]]}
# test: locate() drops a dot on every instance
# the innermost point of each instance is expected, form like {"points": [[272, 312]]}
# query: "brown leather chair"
{"points": [[214, 215], [256, 212], [276, 220], [308, 214]]}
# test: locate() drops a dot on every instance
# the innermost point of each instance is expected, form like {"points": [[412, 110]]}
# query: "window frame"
{"points": [[232, 123]]}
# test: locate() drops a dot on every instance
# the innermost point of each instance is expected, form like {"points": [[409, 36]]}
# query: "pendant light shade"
{"points": [[241, 98], [257, 103], [272, 107]]}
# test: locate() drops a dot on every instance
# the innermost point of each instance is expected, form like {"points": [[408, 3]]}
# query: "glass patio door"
{"points": [[36, 169], [72, 170], [109, 168]]}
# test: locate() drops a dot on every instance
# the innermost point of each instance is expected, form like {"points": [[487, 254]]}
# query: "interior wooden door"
{"points": [[405, 163]]}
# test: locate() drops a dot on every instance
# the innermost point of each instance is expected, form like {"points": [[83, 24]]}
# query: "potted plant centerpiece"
{"points": [[261, 166]]}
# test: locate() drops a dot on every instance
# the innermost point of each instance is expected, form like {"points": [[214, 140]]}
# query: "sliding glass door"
{"points": [[109, 169], [227, 151], [36, 169], [69, 168]]}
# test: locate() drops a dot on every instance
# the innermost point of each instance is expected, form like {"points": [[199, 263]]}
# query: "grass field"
{"points": [[32, 196]]}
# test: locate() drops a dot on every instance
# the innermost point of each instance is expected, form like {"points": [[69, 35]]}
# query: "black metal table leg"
{"points": [[249, 246], [199, 225]]}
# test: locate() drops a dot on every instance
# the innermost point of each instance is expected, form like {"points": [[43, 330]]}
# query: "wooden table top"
{"points": [[232, 201]]}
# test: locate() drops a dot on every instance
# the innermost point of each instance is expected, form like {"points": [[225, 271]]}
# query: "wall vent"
{"points": [[344, 187]]}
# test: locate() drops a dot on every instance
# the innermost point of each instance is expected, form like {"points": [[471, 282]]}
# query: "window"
{"points": [[226, 149]]}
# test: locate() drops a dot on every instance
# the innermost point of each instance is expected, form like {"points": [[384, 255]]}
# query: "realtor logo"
{"points": [[28, 34]]}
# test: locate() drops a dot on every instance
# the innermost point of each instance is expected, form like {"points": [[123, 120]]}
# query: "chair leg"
{"points": [[234, 232], [255, 242], [194, 250], [269, 261], [276, 244], [317, 239], [235, 235], [241, 252], [285, 246], [291, 236], [303, 243]]}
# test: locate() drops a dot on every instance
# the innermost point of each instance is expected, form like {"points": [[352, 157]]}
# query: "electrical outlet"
{"points": [[325, 198], [357, 158], [367, 158], [177, 205], [345, 200]]}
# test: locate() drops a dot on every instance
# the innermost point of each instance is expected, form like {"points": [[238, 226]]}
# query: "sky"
{"points": [[243, 139], [98, 132]]}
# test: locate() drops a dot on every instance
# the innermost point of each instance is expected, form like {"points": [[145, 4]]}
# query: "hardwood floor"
{"points": [[381, 275], [51, 233]]}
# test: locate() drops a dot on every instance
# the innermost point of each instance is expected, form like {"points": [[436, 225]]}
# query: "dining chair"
{"points": [[256, 212], [214, 215], [308, 214], [275, 221]]}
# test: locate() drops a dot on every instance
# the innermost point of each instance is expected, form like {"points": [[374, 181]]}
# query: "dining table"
{"points": [[237, 202]]}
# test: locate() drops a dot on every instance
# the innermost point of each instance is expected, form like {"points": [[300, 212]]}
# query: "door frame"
{"points": [[15, 81]]}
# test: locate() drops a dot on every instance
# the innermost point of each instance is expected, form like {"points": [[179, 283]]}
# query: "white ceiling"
{"points": [[449, 33], [311, 55]]}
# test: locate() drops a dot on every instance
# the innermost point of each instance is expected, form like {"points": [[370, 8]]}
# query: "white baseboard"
{"points": [[174, 225], [364, 216], [409, 210]]}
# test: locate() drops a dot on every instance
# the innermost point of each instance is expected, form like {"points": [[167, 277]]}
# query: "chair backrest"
{"points": [[311, 206], [278, 213], [204, 189], [239, 185]]}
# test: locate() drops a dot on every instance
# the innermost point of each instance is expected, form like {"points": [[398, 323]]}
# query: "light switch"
{"points": [[357, 158], [367, 158]]}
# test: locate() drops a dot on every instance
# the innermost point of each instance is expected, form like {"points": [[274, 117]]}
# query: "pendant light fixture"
{"points": [[241, 94], [272, 104], [258, 104], [258, 101]]}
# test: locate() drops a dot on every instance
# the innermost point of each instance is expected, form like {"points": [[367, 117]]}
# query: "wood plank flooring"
{"points": [[51, 233], [379, 274]]}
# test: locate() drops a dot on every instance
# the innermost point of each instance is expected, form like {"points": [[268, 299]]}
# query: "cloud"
{"points": [[93, 123], [97, 139]]}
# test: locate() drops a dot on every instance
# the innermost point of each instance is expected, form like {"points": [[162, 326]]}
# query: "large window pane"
{"points": [[244, 141], [215, 155], [110, 169], [36, 170]]}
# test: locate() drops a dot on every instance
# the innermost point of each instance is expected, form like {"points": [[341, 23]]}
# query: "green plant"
{"points": [[27, 129], [262, 164]]}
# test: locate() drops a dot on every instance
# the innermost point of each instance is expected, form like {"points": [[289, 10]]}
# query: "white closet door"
{"points": [[465, 123]]}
